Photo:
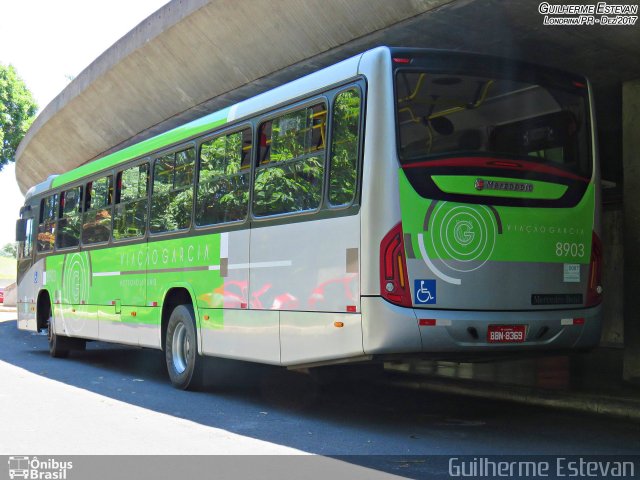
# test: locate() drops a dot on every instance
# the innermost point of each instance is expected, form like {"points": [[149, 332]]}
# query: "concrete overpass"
{"points": [[195, 56]]}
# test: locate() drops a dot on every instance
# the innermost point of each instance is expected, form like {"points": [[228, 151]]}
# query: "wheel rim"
{"points": [[181, 348]]}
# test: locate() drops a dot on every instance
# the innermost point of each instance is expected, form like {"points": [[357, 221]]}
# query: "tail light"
{"points": [[594, 288], [394, 283]]}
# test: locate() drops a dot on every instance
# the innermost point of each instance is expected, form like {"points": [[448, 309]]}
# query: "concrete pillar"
{"points": [[608, 108], [631, 163], [613, 272]]}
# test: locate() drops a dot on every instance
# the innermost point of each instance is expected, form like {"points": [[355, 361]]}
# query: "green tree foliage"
{"points": [[289, 177], [9, 250], [130, 217], [223, 186], [70, 223], [47, 228], [17, 111], [344, 152], [172, 195], [96, 224]]}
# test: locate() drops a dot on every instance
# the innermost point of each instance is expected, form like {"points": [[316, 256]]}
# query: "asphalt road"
{"points": [[117, 400]]}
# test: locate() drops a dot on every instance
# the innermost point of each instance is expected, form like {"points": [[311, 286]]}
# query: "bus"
{"points": [[18, 467], [401, 202]]}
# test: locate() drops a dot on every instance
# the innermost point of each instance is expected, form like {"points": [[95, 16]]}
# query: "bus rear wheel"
{"points": [[181, 352]]}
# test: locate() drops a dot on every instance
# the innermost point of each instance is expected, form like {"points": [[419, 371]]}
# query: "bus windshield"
{"points": [[466, 115]]}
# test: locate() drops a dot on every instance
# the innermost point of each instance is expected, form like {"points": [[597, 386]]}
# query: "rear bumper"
{"points": [[391, 329]]}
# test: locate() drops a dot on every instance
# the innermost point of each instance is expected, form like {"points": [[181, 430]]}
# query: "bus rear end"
{"points": [[498, 245]]}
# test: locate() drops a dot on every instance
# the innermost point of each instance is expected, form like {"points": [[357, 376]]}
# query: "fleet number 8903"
{"points": [[566, 249]]}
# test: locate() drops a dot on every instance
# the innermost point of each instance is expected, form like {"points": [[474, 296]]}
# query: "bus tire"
{"points": [[184, 365], [58, 346]]}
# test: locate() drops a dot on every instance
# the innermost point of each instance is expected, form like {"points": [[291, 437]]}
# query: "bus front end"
{"points": [[498, 246]]}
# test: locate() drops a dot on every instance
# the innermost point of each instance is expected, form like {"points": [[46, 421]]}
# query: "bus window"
{"points": [[47, 226], [477, 115], [69, 222], [96, 222], [344, 148], [290, 166], [130, 217], [223, 179], [172, 194]]}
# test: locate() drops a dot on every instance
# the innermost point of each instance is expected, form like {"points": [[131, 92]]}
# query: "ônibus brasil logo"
{"points": [[504, 186], [33, 468]]}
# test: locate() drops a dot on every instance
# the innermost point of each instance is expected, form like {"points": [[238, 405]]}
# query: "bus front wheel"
{"points": [[58, 346], [181, 352]]}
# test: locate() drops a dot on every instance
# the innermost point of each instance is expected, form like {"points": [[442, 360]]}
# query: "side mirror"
{"points": [[21, 233]]}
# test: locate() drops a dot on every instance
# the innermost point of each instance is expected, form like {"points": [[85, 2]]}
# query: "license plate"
{"points": [[506, 333]]}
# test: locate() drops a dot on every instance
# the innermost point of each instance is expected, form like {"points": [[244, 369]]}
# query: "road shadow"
{"points": [[360, 421]]}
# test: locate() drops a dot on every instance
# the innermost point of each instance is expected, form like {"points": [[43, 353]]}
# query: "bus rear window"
{"points": [[445, 115]]}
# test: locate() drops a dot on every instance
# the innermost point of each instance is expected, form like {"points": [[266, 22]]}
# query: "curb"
{"points": [[585, 403]]}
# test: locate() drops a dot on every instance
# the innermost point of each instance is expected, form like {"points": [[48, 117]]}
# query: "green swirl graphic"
{"points": [[463, 237], [75, 288]]}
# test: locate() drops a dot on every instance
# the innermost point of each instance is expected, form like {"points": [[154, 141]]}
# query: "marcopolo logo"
{"points": [[482, 184], [38, 469]]}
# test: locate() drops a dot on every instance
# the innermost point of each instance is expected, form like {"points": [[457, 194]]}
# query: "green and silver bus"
{"points": [[401, 202]]}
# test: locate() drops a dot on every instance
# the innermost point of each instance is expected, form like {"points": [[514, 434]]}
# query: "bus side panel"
{"points": [[118, 278], [69, 278], [226, 283], [310, 267], [228, 329], [304, 266], [76, 320], [29, 285], [189, 262], [112, 329], [318, 336], [147, 324], [85, 320], [241, 334]]}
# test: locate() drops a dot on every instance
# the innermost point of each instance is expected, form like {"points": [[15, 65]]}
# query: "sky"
{"points": [[49, 42]]}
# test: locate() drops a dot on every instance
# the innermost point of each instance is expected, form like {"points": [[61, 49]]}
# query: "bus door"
{"points": [[120, 272], [28, 278], [74, 312]]}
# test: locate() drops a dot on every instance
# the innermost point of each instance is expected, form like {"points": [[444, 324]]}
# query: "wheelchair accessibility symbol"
{"points": [[424, 291]]}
